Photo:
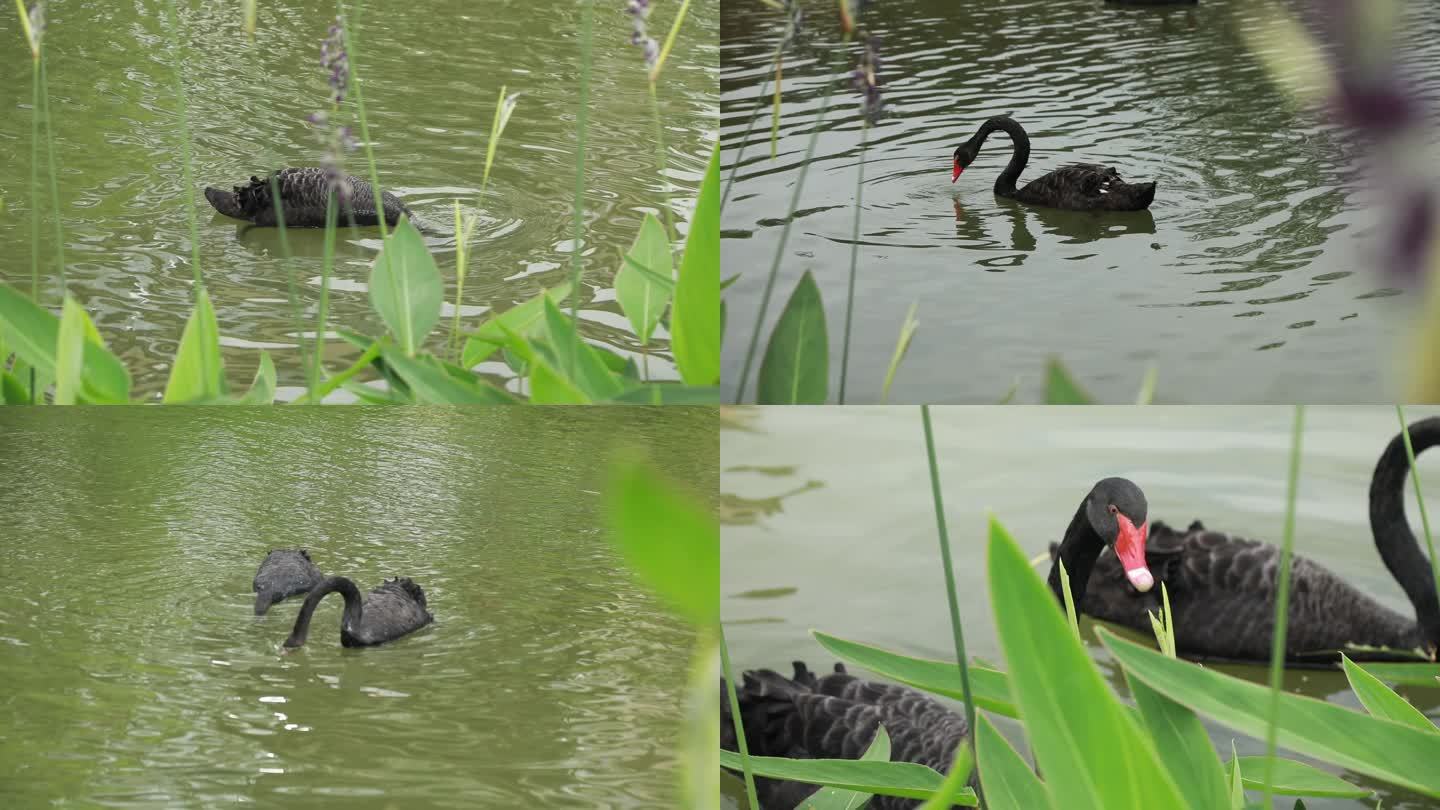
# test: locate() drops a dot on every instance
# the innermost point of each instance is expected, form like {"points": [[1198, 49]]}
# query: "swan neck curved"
{"points": [[327, 586], [1019, 156], [1398, 547], [1079, 551]]}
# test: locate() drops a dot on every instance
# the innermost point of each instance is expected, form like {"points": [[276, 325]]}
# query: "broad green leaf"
{"points": [[520, 318], [370, 395], [588, 373], [69, 352], [906, 779], [989, 688], [695, 314], [640, 298], [1396, 753], [1008, 781], [1408, 674], [1380, 700], [668, 537], [1293, 778], [550, 387], [1061, 388], [13, 390], [698, 756], [198, 373], [796, 367], [1183, 745], [432, 384], [1091, 751], [833, 798], [32, 333], [405, 287], [262, 389]]}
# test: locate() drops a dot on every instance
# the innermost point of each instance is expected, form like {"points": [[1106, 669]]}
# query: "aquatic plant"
{"points": [[1111, 755]]}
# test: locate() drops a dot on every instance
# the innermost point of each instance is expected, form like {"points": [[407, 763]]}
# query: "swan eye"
{"points": [[1112, 509]]}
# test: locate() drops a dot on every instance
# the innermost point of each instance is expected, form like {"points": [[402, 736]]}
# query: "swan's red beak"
{"points": [[956, 170], [1130, 548]]}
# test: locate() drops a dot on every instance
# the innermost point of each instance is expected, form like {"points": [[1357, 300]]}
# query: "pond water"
{"points": [[1250, 279], [433, 71], [137, 674], [827, 521]]}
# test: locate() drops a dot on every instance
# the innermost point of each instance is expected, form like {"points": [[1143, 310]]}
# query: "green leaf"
{"points": [[1009, 783], [1399, 754], [907, 332], [405, 287], [198, 373], [695, 315], [69, 352], [640, 298], [1237, 781], [907, 779], [989, 688], [1298, 779], [589, 373], [13, 390], [431, 383], [33, 333], [520, 318], [262, 389], [796, 367], [1380, 700], [962, 765], [1093, 755], [1061, 388], [668, 537], [1407, 674], [1183, 745], [833, 798]]}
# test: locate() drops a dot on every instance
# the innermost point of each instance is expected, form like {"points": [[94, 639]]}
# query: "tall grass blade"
{"points": [[1282, 599], [1071, 613], [746, 766], [669, 43], [907, 333], [177, 53], [357, 86], [292, 289], [854, 263], [956, 631], [582, 119], [54, 187]]}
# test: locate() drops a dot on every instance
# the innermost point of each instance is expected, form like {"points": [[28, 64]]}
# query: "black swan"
{"points": [[1080, 187], [392, 610], [1223, 588], [283, 574], [834, 717], [303, 196]]}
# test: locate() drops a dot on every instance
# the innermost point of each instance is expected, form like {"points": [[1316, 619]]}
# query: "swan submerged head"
{"points": [[1119, 513], [964, 155]]}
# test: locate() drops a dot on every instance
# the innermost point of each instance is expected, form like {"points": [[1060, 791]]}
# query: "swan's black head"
{"points": [[1118, 512], [964, 156]]}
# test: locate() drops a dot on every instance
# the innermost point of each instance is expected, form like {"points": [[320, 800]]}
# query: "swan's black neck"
{"points": [[326, 587], [1005, 183], [1393, 538], [1079, 551]]}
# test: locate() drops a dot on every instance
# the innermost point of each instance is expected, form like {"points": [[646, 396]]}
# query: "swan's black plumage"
{"points": [[1223, 588], [282, 574], [1081, 186], [834, 717], [394, 609], [303, 196]]}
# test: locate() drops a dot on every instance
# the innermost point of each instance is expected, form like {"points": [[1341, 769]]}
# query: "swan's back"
{"points": [[835, 717], [284, 573], [1087, 187], [1223, 590], [393, 609], [303, 196]]}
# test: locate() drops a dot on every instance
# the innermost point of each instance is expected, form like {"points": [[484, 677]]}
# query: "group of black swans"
{"points": [[394, 609], [1222, 593]]}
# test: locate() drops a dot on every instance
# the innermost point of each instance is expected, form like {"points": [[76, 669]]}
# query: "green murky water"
{"points": [[827, 521], [136, 674], [433, 70]]}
